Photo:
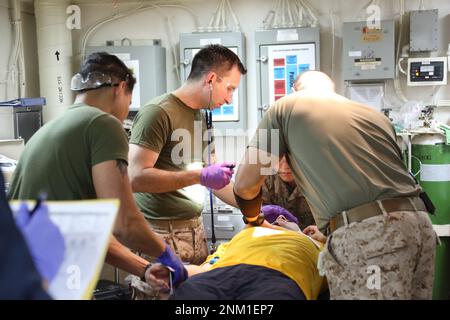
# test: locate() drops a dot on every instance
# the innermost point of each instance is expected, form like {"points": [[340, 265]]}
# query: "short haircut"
{"points": [[215, 58], [108, 64]]}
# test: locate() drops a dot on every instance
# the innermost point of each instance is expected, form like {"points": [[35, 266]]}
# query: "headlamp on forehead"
{"points": [[93, 80]]}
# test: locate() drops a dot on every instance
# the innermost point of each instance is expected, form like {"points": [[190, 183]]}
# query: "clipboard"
{"points": [[86, 227]]}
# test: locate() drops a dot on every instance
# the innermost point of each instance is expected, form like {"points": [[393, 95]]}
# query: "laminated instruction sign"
{"points": [[286, 62]]}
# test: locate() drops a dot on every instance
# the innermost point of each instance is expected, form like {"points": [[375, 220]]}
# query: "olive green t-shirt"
{"points": [[58, 159], [342, 154], [178, 134]]}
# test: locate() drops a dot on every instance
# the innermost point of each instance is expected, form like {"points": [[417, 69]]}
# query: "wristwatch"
{"points": [[259, 220]]}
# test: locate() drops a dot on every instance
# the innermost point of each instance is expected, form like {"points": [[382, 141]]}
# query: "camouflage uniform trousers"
{"points": [[186, 238], [388, 256]]}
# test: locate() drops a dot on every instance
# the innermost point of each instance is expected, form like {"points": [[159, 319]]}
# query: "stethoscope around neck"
{"points": [[208, 119]]}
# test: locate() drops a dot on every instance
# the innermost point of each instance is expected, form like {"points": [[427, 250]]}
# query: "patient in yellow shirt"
{"points": [[258, 263]]}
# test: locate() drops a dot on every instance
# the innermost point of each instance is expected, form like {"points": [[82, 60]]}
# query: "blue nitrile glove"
{"points": [[170, 260], [44, 240], [217, 176], [271, 213]]}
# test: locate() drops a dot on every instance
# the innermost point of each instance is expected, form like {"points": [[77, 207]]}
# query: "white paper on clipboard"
{"points": [[86, 227]]}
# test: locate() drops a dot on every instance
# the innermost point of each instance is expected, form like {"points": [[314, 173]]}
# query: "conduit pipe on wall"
{"points": [[54, 42], [15, 83]]}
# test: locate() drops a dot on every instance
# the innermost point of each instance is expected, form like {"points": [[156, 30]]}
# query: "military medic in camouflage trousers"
{"points": [[389, 256], [169, 159], [346, 162]]}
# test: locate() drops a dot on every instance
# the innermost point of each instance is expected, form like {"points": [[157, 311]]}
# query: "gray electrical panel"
{"points": [[423, 30], [368, 53], [282, 54], [150, 60], [231, 116], [20, 122]]}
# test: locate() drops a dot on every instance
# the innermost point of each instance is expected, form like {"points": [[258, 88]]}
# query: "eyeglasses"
{"points": [[94, 80]]}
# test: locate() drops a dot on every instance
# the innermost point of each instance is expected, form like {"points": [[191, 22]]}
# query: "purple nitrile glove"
{"points": [[44, 240], [169, 259], [217, 176], [271, 213]]}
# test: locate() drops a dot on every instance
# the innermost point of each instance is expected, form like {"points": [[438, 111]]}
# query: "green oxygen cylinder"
{"points": [[431, 167]]}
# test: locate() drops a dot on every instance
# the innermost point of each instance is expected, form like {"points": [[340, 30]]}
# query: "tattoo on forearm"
{"points": [[122, 166]]}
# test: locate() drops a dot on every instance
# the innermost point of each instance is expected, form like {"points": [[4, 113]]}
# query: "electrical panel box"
{"points": [[148, 63], [368, 53], [423, 30], [427, 71], [229, 116], [282, 54], [20, 122]]}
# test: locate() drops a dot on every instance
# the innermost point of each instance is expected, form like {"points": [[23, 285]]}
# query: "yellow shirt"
{"points": [[292, 253]]}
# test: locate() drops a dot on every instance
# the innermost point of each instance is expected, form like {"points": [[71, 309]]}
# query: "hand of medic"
{"points": [[172, 262], [44, 240], [217, 176], [314, 233], [158, 277]]}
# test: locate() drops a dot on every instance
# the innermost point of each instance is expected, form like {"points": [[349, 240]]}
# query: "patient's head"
{"points": [[279, 216]]}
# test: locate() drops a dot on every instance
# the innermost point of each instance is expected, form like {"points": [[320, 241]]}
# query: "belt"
{"points": [[375, 208], [175, 224]]}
